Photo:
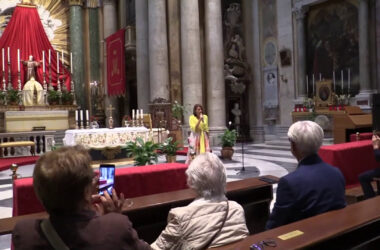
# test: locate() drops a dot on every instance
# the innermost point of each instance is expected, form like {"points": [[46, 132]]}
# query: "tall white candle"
{"points": [[349, 78], [313, 84], [62, 58], [142, 114], [341, 75], [334, 80], [57, 62], [133, 114], [71, 62], [18, 60], [81, 114], [3, 56], [320, 77], [9, 55], [137, 114], [76, 115], [307, 85], [87, 115], [43, 61], [49, 57]]}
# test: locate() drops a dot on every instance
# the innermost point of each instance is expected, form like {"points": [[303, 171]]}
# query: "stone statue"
{"points": [[238, 41], [30, 64], [237, 113], [32, 93]]}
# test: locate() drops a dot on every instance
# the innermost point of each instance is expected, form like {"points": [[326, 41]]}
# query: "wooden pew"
{"points": [[149, 213], [353, 226]]}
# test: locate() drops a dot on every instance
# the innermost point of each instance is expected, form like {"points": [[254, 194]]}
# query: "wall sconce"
{"points": [[283, 78]]}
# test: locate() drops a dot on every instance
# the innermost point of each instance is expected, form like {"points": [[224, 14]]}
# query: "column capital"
{"points": [[93, 4], [76, 2], [300, 11], [108, 2]]}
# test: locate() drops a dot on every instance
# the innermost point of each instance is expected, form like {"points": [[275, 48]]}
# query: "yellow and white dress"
{"points": [[198, 139]]}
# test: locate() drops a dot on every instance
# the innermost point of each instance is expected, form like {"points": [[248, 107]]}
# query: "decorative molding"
{"points": [[93, 4], [108, 2], [300, 11], [76, 2]]}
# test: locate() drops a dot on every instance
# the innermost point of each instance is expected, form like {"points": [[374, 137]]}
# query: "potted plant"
{"points": [[177, 110], [228, 140], [3, 97], [67, 98], [53, 97], [13, 97], [169, 148], [144, 153]]}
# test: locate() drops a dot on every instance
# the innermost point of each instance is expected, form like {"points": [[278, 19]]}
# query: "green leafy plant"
{"points": [[177, 110], [144, 153], [13, 96], [53, 96], [228, 139], [3, 96], [169, 147], [67, 97]]}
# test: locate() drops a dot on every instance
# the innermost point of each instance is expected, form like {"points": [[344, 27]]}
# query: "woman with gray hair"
{"points": [[210, 220]]}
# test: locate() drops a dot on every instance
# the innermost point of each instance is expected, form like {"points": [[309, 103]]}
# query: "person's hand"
{"points": [[376, 141], [201, 117], [109, 204]]}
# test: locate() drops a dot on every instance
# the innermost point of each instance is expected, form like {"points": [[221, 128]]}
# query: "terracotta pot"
{"points": [[227, 153], [171, 158]]}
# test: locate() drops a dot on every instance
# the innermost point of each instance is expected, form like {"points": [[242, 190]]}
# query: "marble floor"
{"points": [[270, 158]]}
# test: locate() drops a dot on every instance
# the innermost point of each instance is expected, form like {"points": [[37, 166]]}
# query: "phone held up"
{"points": [[106, 178]]}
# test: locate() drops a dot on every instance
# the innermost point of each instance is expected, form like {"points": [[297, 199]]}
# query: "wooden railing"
{"points": [[149, 213], [356, 226], [44, 141]]}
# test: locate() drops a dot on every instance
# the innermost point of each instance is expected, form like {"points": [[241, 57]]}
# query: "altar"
{"points": [[104, 137]]}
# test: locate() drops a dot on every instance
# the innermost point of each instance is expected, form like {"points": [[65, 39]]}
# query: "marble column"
{"points": [[363, 99], [363, 46], [191, 56], [76, 45], [142, 54], [251, 11], [158, 50], [122, 8], [215, 68], [94, 50], [109, 27], [300, 13]]}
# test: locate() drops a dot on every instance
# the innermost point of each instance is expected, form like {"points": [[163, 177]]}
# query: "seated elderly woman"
{"points": [[210, 220], [63, 182]]}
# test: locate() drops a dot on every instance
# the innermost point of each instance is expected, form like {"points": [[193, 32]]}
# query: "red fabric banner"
{"points": [[116, 64], [25, 32]]}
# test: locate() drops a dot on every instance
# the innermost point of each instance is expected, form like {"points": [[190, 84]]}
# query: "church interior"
{"points": [[116, 75]]}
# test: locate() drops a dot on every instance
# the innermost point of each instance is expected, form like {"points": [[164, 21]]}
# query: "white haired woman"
{"points": [[210, 220]]}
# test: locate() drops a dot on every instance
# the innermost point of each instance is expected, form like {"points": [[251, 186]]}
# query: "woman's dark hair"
{"points": [[195, 108]]}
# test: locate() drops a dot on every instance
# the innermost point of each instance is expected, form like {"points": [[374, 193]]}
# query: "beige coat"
{"points": [[191, 227]]}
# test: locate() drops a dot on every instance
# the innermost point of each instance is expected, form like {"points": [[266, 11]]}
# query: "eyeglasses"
{"points": [[261, 245]]}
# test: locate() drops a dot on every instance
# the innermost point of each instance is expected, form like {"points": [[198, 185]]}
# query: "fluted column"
{"points": [[364, 46], [142, 54], [158, 50], [191, 55], [109, 27], [76, 45], [300, 13], [214, 67]]}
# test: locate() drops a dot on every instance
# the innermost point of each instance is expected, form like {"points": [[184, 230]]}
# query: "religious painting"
{"points": [[54, 17], [268, 31], [324, 95], [332, 44], [270, 88]]}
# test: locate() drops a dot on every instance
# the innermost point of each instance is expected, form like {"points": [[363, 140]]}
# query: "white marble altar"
{"points": [[104, 137]]}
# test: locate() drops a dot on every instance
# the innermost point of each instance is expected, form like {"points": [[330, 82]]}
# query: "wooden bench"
{"points": [[14, 144], [355, 194], [357, 225], [149, 213]]}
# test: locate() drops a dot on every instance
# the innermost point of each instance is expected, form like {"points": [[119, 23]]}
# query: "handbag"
{"points": [[55, 241], [220, 228]]}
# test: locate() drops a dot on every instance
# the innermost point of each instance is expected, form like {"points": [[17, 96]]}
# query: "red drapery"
{"points": [[116, 64], [25, 32]]}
